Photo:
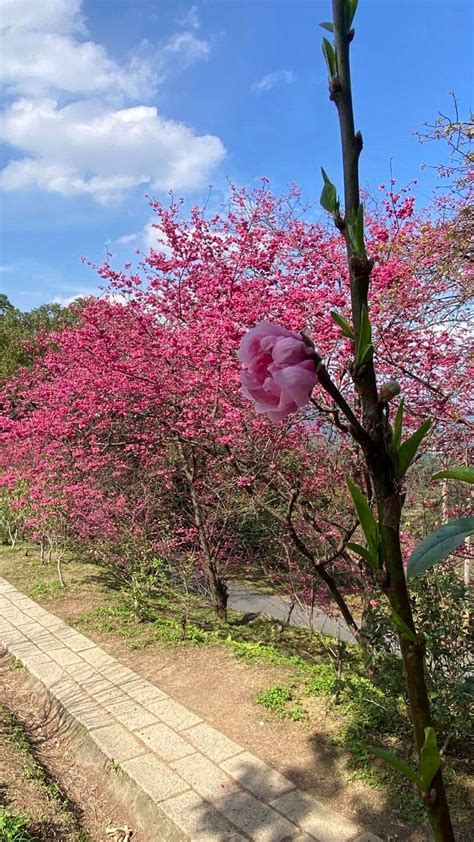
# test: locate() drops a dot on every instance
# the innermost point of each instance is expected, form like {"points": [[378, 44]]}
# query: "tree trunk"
{"points": [[217, 585], [467, 560], [342, 604], [59, 569], [13, 535]]}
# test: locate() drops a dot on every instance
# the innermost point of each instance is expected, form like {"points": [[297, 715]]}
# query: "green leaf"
{"points": [[345, 326], [327, 25], [460, 474], [396, 763], [430, 760], [362, 551], [365, 348], [366, 520], [438, 545], [328, 198], [351, 9], [407, 450], [402, 627], [397, 426], [330, 56], [366, 354], [329, 195]]}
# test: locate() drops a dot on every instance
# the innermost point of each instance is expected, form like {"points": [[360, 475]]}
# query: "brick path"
{"points": [[204, 785]]}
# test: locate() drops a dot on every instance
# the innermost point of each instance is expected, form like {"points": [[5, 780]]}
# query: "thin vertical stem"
{"points": [[376, 446]]}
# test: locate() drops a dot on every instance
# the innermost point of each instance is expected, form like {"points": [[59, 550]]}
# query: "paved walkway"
{"points": [[250, 601], [205, 786]]}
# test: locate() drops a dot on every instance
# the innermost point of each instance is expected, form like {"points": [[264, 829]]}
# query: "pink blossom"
{"points": [[280, 370]]}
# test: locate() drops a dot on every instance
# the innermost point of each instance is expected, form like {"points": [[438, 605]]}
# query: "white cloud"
{"points": [[39, 15], [191, 18], [125, 239], [41, 53], [271, 80], [186, 47], [35, 64], [95, 145], [85, 148], [154, 239], [65, 301]]}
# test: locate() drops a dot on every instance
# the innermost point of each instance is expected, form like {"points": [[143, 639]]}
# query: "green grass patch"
{"points": [[47, 590], [14, 828], [14, 732], [323, 680], [281, 700]]}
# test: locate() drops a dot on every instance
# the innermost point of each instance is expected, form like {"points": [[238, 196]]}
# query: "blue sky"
{"points": [[104, 101]]}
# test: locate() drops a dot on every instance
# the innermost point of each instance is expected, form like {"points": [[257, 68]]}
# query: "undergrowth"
{"points": [[14, 828], [281, 700], [33, 770], [47, 590]]}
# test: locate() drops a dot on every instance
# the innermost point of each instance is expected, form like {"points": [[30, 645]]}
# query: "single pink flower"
{"points": [[280, 370]]}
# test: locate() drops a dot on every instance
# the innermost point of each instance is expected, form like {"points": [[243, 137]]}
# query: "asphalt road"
{"points": [[248, 601]]}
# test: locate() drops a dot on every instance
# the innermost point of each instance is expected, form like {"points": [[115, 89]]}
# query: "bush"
{"points": [[441, 613]]}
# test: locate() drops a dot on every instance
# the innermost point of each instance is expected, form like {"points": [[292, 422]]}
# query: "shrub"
{"points": [[441, 612]]}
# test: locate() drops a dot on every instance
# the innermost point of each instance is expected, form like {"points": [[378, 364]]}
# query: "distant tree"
{"points": [[5, 304], [20, 332], [457, 132]]}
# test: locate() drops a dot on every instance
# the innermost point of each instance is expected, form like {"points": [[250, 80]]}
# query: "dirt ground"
{"points": [[41, 775], [214, 684]]}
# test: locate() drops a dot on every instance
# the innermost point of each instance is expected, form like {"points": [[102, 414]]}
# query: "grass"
{"points": [[254, 642], [23, 827], [14, 828], [33, 771], [157, 621], [14, 732], [46, 590], [114, 766], [277, 699]]}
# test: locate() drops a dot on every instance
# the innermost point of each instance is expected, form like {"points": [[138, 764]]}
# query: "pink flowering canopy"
{"points": [[91, 434]]}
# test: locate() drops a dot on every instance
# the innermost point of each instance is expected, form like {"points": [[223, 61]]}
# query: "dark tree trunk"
{"points": [[217, 585]]}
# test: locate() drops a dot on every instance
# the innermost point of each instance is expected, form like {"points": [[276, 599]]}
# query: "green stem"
{"points": [[376, 446]]}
